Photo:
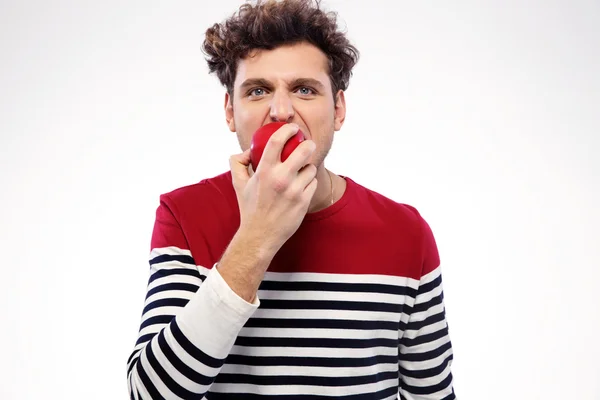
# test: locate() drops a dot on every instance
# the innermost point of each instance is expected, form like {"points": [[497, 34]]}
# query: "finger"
{"points": [[244, 158], [300, 156], [238, 163], [310, 190], [304, 178], [275, 144]]}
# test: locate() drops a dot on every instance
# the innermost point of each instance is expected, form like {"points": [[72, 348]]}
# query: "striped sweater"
{"points": [[351, 306]]}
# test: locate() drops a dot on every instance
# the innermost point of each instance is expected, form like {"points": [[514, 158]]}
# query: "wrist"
{"points": [[256, 244]]}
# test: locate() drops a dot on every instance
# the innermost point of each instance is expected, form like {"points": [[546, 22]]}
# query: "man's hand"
{"points": [[273, 202], [275, 198]]}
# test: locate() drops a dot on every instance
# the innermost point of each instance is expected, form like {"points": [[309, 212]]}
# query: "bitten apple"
{"points": [[261, 137]]}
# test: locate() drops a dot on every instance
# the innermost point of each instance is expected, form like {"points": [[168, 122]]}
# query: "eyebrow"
{"points": [[248, 83]]}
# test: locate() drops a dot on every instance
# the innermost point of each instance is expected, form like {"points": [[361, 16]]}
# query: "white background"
{"points": [[483, 115]]}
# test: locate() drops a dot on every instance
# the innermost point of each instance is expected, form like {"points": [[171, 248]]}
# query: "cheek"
{"points": [[317, 115], [246, 124], [250, 115], [323, 128]]}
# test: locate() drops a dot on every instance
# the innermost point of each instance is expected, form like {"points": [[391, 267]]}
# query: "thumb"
{"points": [[238, 163]]}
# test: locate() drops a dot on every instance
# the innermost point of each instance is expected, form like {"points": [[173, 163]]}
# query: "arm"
{"points": [[425, 347], [190, 320], [192, 315]]}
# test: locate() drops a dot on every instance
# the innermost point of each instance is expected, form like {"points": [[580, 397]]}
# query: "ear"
{"points": [[229, 112], [340, 110]]}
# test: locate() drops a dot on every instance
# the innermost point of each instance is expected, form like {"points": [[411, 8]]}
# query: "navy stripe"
{"points": [[428, 355], [421, 339], [162, 273], [192, 350], [134, 355], [321, 323], [159, 319], [417, 325], [154, 394], [131, 393], [169, 382], [168, 302], [382, 394], [428, 287], [451, 396], [437, 300], [291, 286], [315, 342], [421, 307], [236, 359], [182, 367], [170, 257], [271, 380], [329, 305], [145, 338], [424, 390], [426, 373], [186, 287]]}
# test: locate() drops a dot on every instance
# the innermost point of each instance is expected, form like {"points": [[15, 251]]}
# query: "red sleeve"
{"points": [[430, 254], [167, 231]]}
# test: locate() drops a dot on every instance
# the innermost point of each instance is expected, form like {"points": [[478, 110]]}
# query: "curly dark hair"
{"points": [[272, 23]]}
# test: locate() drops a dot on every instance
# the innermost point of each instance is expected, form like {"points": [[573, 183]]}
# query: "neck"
{"points": [[323, 197]]}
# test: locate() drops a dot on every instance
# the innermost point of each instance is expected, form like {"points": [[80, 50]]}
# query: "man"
{"points": [[289, 281]]}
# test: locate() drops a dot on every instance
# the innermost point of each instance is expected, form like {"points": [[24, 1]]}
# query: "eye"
{"points": [[305, 90], [256, 92]]}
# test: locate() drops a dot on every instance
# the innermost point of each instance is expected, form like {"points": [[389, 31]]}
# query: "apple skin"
{"points": [[261, 137]]}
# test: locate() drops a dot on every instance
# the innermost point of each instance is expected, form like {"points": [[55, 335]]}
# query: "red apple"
{"points": [[261, 137]]}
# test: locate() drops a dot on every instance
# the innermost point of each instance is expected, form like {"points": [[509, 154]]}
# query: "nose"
{"points": [[282, 109]]}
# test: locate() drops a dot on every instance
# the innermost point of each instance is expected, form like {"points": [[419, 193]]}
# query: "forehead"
{"points": [[301, 60]]}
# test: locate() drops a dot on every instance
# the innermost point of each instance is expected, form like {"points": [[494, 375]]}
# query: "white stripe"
{"points": [[328, 372], [136, 352], [192, 324], [172, 264], [437, 395], [330, 295], [181, 379], [431, 276], [186, 358], [405, 318], [422, 365], [169, 250], [328, 314], [423, 315], [341, 278], [319, 333], [425, 347], [158, 311], [314, 352], [304, 389], [160, 386], [179, 278], [413, 333], [427, 296], [154, 328], [138, 385], [169, 294]]}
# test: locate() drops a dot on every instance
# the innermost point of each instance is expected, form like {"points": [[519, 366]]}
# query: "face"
{"points": [[289, 84]]}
